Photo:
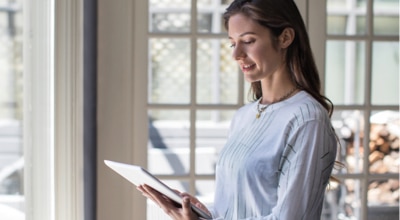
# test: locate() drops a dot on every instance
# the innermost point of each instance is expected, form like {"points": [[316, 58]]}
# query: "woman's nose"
{"points": [[238, 53]]}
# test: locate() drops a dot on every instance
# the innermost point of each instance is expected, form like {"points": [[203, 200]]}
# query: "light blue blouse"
{"points": [[277, 166]]}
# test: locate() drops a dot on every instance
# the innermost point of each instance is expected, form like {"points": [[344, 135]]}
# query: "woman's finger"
{"points": [[146, 194], [177, 191], [174, 210], [160, 199], [187, 210], [196, 202]]}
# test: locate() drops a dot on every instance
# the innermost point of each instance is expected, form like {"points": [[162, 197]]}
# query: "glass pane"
{"points": [[386, 17], [345, 72], [346, 17], [343, 201], [169, 16], [204, 3], [217, 73], [336, 24], [211, 133], [384, 142], [169, 71], [349, 128], [205, 22], [169, 142], [11, 110], [383, 199], [205, 191], [220, 5], [209, 16], [385, 73]]}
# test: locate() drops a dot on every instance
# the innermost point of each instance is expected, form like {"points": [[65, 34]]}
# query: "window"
{"points": [[362, 68], [189, 109]]}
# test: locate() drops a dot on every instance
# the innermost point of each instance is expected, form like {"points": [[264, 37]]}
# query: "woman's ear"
{"points": [[286, 38]]}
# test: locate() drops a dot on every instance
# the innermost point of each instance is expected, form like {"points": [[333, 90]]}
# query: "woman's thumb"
{"points": [[186, 205]]}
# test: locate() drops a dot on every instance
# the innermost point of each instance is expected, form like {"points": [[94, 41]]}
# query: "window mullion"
{"points": [[368, 109], [193, 96]]}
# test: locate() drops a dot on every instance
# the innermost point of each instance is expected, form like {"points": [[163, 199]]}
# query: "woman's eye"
{"points": [[243, 42], [249, 42]]}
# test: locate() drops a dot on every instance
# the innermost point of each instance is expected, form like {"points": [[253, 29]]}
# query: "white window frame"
{"points": [[53, 109]]}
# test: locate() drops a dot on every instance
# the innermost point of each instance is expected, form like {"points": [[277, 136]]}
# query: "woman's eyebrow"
{"points": [[243, 34]]}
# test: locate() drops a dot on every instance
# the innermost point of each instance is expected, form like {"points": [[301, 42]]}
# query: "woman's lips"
{"points": [[248, 67]]}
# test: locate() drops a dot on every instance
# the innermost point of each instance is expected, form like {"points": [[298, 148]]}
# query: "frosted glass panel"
{"points": [[386, 17], [169, 16], [346, 17], [345, 72], [211, 133], [209, 16], [385, 73], [169, 142], [169, 71], [217, 73]]}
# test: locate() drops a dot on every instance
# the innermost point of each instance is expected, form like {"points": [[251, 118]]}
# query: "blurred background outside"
{"points": [[11, 110]]}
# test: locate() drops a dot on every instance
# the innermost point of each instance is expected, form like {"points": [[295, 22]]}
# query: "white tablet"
{"points": [[139, 176]]}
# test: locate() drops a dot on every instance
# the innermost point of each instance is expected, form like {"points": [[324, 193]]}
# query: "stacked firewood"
{"points": [[383, 158], [384, 150]]}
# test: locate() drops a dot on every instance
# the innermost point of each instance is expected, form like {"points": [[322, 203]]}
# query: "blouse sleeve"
{"points": [[305, 168]]}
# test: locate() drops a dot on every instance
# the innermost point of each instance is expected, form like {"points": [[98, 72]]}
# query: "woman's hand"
{"points": [[171, 208]]}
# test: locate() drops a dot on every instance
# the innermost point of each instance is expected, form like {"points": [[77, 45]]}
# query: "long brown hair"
{"points": [[278, 15]]}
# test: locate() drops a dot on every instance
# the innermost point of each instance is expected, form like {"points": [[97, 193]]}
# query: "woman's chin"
{"points": [[250, 79]]}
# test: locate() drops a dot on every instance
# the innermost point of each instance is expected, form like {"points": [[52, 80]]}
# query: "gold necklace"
{"points": [[261, 110]]}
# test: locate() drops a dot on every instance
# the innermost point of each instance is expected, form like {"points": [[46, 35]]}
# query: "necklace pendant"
{"points": [[257, 115]]}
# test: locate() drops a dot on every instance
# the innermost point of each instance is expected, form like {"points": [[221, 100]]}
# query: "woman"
{"points": [[281, 148]]}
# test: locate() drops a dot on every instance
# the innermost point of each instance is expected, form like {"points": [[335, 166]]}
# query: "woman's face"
{"points": [[253, 48]]}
